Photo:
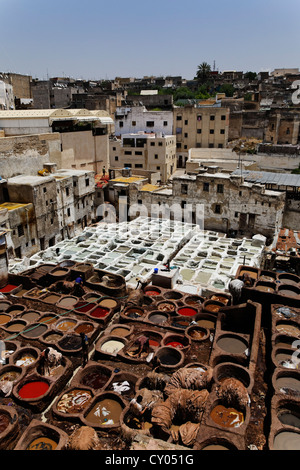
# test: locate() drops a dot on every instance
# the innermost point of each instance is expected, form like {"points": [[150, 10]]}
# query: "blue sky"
{"points": [[98, 39]]}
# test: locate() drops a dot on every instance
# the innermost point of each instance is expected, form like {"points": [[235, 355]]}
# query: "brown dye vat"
{"points": [[84, 328], [228, 370], [289, 383], [4, 421], [92, 297], [158, 318], [11, 374], [52, 338], [289, 415], [227, 417], [106, 411], [34, 331], [287, 440], [59, 272], [16, 309], [166, 307], [4, 319], [70, 343], [173, 295], [220, 298], [95, 377], [51, 299], [42, 443], [180, 322], [21, 293], [66, 324], [48, 319], [30, 316], [288, 328], [232, 344], [67, 302], [265, 286], [120, 331], [134, 312], [25, 359], [212, 306], [169, 356], [108, 303], [4, 305], [15, 326], [289, 290], [206, 322], [287, 278], [119, 379], [197, 333], [194, 300], [251, 273], [74, 401]]}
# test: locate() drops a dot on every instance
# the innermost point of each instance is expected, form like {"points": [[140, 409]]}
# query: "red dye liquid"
{"points": [[8, 288], [187, 311], [99, 312], [84, 307], [152, 292], [175, 344], [33, 389], [153, 343]]}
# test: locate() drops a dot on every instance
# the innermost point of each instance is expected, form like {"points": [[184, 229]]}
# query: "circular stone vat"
{"points": [[158, 318], [70, 343], [104, 411], [212, 306], [226, 417], [194, 300], [34, 331], [51, 298], [52, 338], [91, 297], [165, 306], [16, 309], [15, 326], [225, 300], [95, 376], [66, 324], [287, 382], [111, 345], [232, 344], [33, 389], [284, 358], [287, 440], [48, 319], [25, 357], [10, 373], [227, 370], [288, 278], [218, 444], [59, 272], [180, 322], [99, 312], [120, 330], [265, 286], [134, 312], [84, 328], [289, 290], [197, 333], [169, 356], [84, 307], [73, 401], [176, 341], [30, 316], [4, 318], [288, 328], [152, 291], [108, 303], [4, 304], [289, 414], [67, 302], [205, 320], [187, 311], [285, 342], [173, 295]]}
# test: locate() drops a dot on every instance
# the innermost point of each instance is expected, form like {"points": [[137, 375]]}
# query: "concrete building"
{"points": [[6, 96], [83, 135], [153, 151], [224, 202], [139, 119], [199, 126]]}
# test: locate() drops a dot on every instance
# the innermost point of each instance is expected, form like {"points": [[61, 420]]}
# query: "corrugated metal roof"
{"points": [[266, 177]]}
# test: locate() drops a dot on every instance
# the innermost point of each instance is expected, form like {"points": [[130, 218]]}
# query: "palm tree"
{"points": [[203, 72]]}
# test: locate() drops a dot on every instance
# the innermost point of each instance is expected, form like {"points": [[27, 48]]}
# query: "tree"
{"points": [[203, 72], [250, 75], [227, 88]]}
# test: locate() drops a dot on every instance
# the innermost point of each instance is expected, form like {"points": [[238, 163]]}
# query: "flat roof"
{"points": [[10, 206], [266, 177]]}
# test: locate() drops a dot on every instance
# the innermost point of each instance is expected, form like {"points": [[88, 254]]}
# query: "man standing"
{"points": [[85, 348]]}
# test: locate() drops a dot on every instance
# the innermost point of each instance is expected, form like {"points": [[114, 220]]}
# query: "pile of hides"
{"points": [[189, 378]]}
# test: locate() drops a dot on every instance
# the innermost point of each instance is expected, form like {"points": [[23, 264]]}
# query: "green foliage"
{"points": [[251, 75], [228, 89]]}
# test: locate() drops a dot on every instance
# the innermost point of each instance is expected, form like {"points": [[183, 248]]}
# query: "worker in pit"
{"points": [[78, 290], [44, 362], [142, 344], [85, 348]]}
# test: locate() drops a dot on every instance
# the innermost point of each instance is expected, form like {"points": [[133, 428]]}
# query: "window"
{"points": [[152, 144], [217, 209], [206, 187], [288, 130], [185, 134], [211, 131], [45, 190], [69, 212], [87, 182], [127, 152], [133, 123], [150, 123], [222, 131], [121, 124], [158, 168], [140, 201], [223, 117], [211, 146], [160, 144], [220, 188], [186, 122], [116, 159], [114, 148], [199, 117], [236, 214], [165, 123], [20, 230], [185, 147], [138, 153], [212, 117], [138, 165], [178, 130], [184, 189], [178, 118], [67, 191], [220, 146], [199, 131], [127, 165], [178, 145], [156, 156]]}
